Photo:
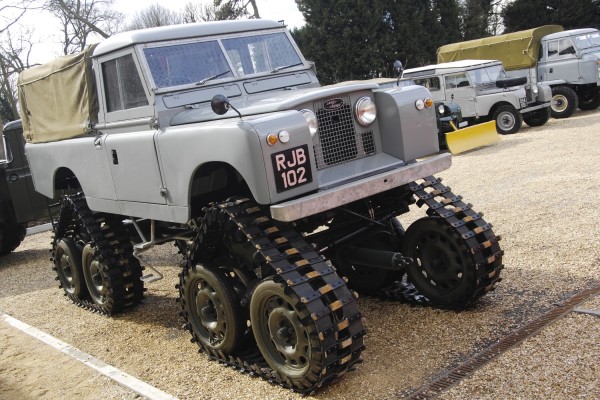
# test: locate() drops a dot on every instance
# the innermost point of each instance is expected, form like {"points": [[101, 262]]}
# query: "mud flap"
{"points": [[472, 137]]}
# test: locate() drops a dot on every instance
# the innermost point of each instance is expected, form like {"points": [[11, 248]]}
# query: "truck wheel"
{"points": [[564, 102], [537, 117], [508, 120], [590, 100], [11, 237], [67, 264], [212, 308], [443, 268], [286, 334], [97, 277]]}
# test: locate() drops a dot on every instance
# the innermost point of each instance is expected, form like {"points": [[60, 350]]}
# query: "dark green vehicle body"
{"points": [[19, 202]]}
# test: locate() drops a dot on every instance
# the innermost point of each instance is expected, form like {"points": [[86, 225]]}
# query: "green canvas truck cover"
{"points": [[516, 50], [58, 99]]}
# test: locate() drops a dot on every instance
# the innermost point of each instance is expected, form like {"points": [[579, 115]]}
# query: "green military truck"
{"points": [[19, 202], [567, 61], [282, 193]]}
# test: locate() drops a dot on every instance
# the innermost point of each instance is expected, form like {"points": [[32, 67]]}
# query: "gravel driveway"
{"points": [[539, 188]]}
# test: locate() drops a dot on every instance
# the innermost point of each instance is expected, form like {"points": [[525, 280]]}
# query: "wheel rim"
{"points": [[209, 313], [443, 269], [279, 332], [67, 263], [65, 267], [438, 261], [559, 103], [506, 121], [94, 277], [212, 307]]}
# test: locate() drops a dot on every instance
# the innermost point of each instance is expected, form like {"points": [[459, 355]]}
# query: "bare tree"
{"points": [[153, 16], [193, 12], [234, 9], [81, 20], [14, 54]]}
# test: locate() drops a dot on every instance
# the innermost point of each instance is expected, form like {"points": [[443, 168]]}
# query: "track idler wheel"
{"points": [[285, 334], [67, 264], [443, 269]]}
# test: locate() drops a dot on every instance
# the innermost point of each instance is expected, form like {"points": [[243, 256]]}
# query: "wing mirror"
{"points": [[220, 105]]}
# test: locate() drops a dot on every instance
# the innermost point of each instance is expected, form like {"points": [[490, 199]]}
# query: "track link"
{"points": [[107, 234], [475, 232], [284, 254]]}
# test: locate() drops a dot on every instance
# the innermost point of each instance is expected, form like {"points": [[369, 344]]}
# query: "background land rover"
{"points": [[275, 189], [567, 61], [484, 92], [19, 202]]}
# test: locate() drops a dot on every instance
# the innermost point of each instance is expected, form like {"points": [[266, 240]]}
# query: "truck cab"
{"points": [[569, 61], [483, 91]]}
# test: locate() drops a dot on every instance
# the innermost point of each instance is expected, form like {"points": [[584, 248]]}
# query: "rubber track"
{"points": [[113, 249], [295, 263], [477, 235]]}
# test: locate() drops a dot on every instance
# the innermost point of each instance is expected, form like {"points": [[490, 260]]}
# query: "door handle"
{"points": [[115, 157], [551, 70], [98, 141]]}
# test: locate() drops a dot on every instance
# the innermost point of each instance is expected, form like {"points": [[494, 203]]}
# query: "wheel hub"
{"points": [[559, 103]]}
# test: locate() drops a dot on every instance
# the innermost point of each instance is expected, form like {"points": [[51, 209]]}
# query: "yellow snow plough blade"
{"points": [[472, 137]]}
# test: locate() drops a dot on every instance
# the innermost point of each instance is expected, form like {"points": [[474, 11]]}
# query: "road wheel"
{"points": [[67, 264], [212, 308], [11, 237], [590, 100], [537, 117], [443, 269], [564, 102], [508, 120], [286, 334]]}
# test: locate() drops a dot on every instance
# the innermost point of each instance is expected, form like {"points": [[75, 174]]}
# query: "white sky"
{"points": [[47, 35]]}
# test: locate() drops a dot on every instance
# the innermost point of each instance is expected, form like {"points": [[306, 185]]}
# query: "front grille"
{"points": [[529, 93], [338, 141]]}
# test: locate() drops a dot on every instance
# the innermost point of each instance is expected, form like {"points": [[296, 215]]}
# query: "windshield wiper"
{"points": [[286, 66], [210, 78]]}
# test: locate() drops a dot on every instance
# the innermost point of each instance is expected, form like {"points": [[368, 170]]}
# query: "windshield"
{"points": [[200, 62], [487, 75], [181, 64], [261, 53], [588, 40]]}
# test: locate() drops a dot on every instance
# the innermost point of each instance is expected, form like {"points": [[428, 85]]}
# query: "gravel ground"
{"points": [[539, 188]]}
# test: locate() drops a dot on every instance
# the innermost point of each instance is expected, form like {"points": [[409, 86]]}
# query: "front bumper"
{"points": [[332, 198]]}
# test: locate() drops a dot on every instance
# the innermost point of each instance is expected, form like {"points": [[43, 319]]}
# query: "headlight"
{"points": [[365, 111], [311, 121], [441, 109], [535, 89]]}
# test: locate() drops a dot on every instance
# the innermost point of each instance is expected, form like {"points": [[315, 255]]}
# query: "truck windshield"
{"points": [[486, 76], [186, 63], [588, 40], [261, 53]]}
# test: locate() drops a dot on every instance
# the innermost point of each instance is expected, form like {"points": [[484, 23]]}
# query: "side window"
{"points": [[122, 84], [540, 52], [433, 84], [552, 48], [560, 47], [565, 47], [456, 80]]}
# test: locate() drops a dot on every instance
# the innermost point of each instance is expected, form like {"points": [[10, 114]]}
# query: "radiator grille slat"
{"points": [[338, 140]]}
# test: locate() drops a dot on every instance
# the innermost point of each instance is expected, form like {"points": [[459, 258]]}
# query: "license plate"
{"points": [[291, 168]]}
